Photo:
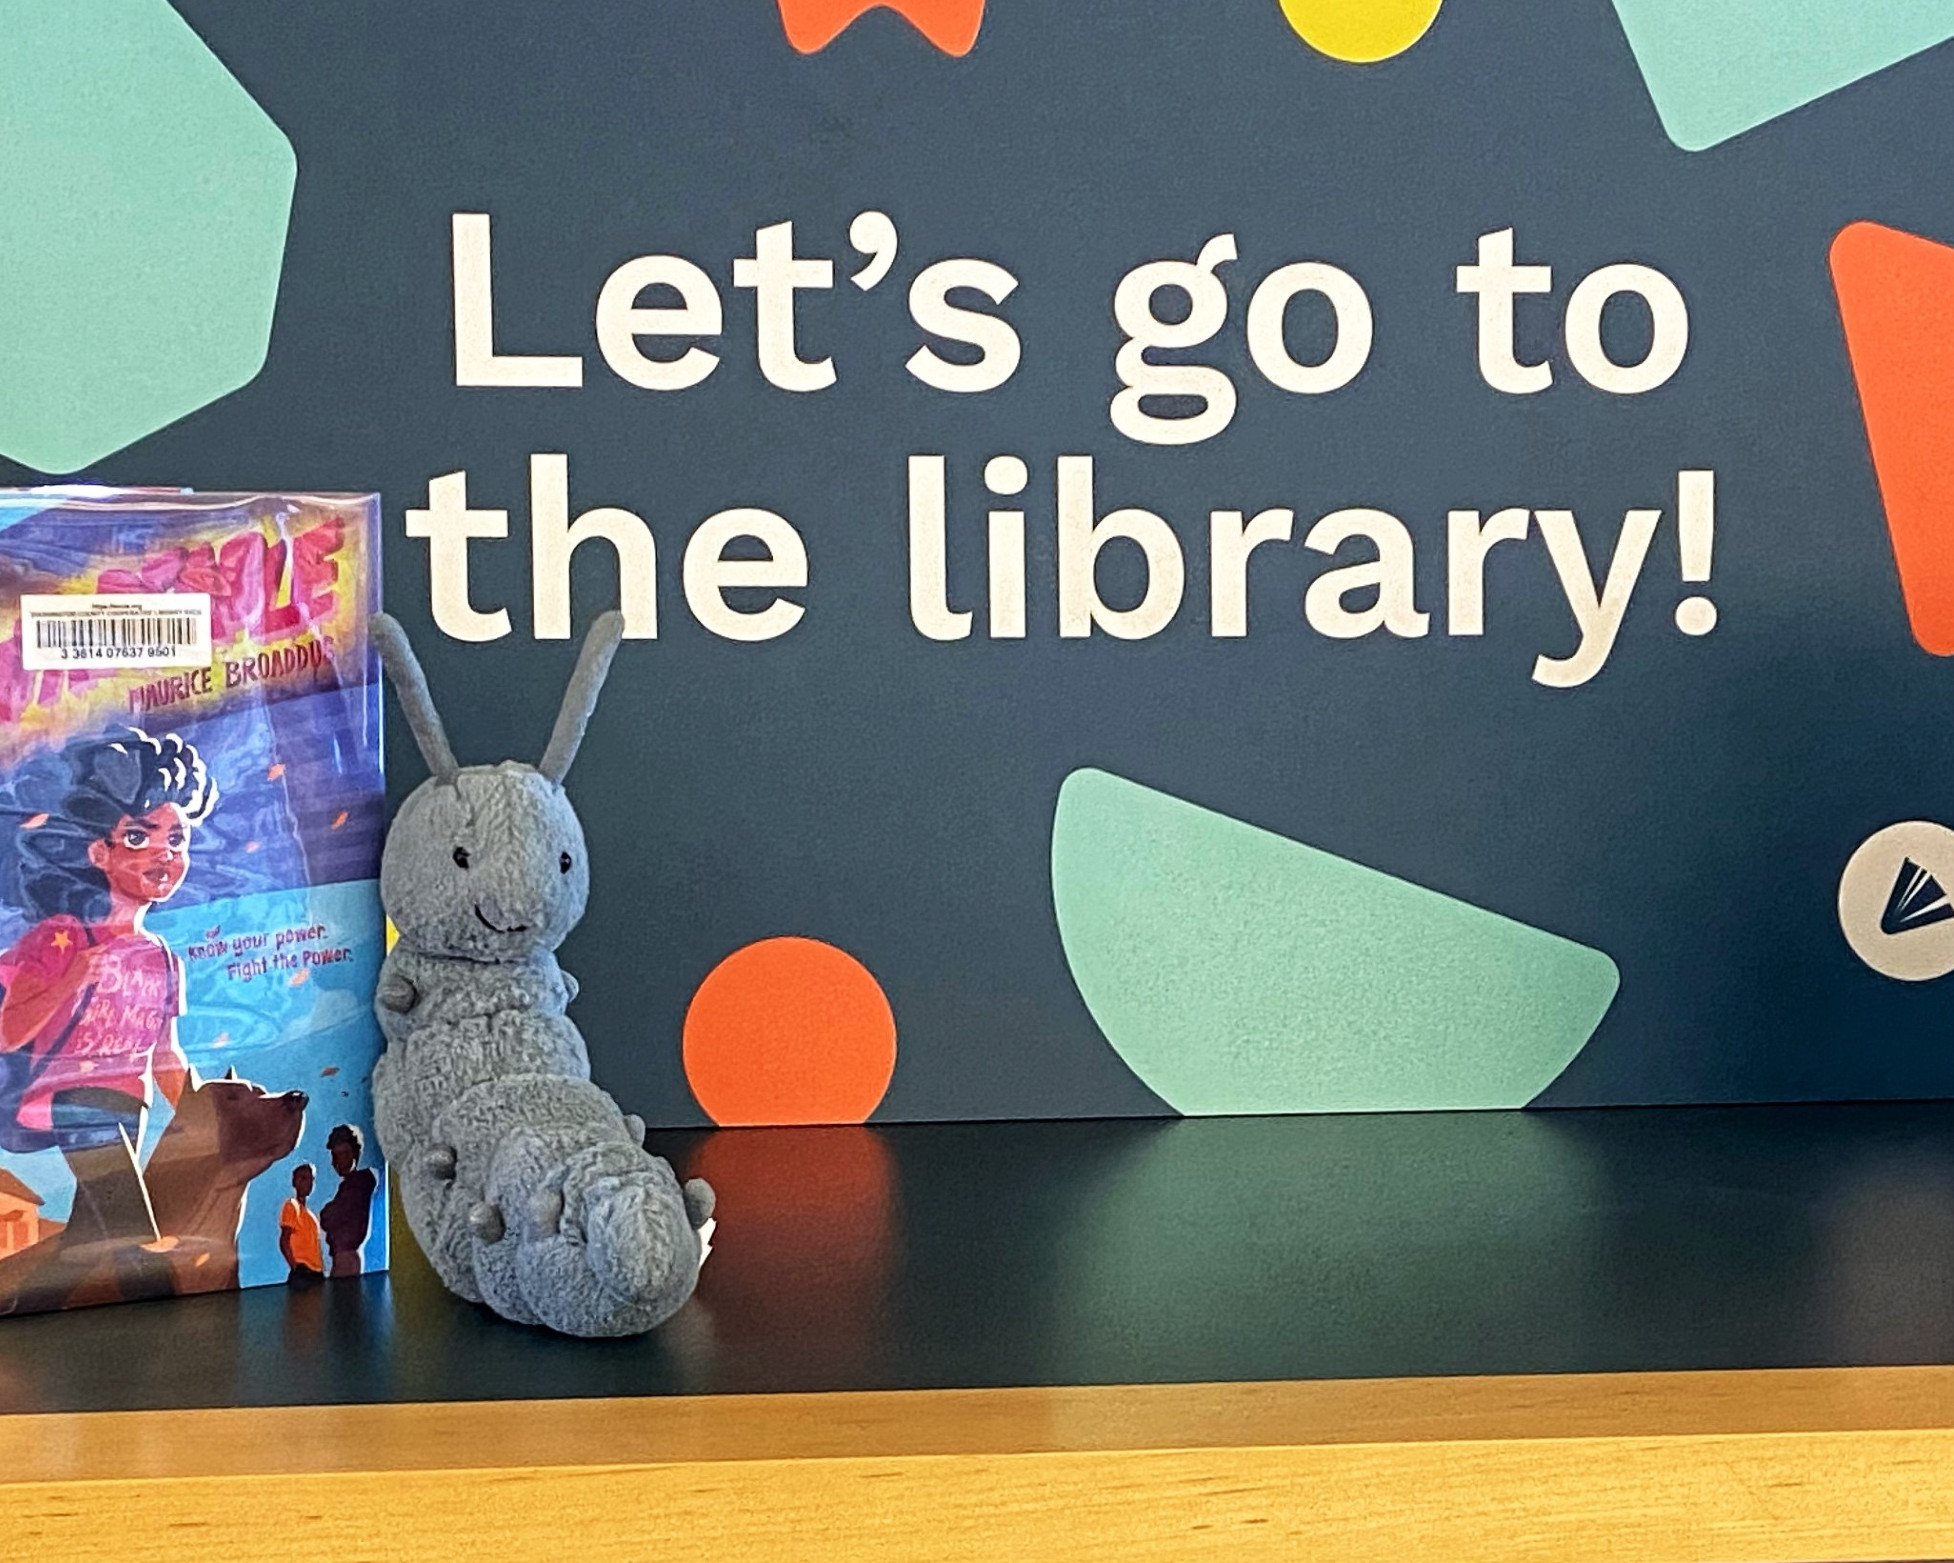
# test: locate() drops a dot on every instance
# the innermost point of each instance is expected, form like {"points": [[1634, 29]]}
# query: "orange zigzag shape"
{"points": [[951, 25]]}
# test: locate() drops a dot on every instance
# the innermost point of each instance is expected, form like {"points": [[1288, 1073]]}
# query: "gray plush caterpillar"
{"points": [[527, 1187]]}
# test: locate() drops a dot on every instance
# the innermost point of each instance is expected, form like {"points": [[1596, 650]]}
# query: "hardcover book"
{"points": [[191, 808]]}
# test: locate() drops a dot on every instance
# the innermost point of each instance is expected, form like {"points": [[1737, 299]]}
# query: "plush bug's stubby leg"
{"points": [[396, 994], [543, 1214]]}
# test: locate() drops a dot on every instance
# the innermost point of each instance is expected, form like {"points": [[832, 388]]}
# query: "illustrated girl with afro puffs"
{"points": [[100, 832]]}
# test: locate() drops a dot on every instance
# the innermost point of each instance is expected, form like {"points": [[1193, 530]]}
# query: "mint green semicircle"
{"points": [[1237, 971]]}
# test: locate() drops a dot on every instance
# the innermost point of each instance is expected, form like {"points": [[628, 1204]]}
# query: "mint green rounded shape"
{"points": [[1237, 971], [144, 199], [1717, 68]]}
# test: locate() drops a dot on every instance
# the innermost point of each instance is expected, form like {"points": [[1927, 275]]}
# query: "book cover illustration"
{"points": [[191, 807]]}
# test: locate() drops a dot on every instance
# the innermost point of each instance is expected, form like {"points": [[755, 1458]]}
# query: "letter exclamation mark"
{"points": [[1696, 523]]}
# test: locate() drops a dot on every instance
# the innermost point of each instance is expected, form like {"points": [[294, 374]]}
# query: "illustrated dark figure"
{"points": [[96, 834], [298, 1231], [347, 1215]]}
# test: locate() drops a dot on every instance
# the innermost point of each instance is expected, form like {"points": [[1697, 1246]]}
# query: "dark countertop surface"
{"points": [[940, 1256]]}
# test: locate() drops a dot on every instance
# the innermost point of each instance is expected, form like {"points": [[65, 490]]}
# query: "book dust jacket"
{"points": [[191, 809]]}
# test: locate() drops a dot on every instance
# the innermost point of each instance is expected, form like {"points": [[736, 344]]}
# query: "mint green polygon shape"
{"points": [[1716, 68], [144, 199], [1237, 971]]}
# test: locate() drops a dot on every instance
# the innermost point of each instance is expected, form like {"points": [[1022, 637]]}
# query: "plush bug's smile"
{"points": [[497, 928]]}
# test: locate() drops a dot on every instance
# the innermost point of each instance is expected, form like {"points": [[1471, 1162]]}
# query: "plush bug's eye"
{"points": [[461, 857], [563, 862]]}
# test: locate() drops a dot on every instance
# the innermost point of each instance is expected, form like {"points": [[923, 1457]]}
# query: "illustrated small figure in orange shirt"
{"points": [[299, 1237]]}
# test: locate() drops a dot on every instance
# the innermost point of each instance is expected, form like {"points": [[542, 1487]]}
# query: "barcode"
{"points": [[125, 630], [149, 632]]}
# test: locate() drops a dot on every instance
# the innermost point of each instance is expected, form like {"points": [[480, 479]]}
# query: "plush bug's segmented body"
{"points": [[526, 1184]]}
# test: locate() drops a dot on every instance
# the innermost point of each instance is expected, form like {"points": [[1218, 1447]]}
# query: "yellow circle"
{"points": [[1360, 31]]}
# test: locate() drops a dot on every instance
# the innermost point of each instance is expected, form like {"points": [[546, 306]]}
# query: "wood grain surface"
{"points": [[1809, 1465]]}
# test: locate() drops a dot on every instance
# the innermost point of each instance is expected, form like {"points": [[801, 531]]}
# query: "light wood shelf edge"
{"points": [[1806, 1465]]}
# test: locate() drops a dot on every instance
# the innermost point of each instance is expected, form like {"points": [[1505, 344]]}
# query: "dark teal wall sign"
{"points": [[1180, 560]]}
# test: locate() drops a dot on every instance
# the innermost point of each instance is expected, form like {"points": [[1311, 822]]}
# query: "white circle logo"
{"points": [[1896, 901]]}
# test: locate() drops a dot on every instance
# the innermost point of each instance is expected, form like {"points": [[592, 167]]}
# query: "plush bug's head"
{"points": [[487, 862]]}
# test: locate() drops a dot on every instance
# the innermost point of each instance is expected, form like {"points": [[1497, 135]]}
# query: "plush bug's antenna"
{"points": [[580, 699], [410, 683]]}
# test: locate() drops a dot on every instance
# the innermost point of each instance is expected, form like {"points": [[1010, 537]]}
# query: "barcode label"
{"points": [[123, 630]]}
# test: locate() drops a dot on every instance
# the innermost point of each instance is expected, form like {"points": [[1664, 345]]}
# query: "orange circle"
{"points": [[789, 1031]]}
